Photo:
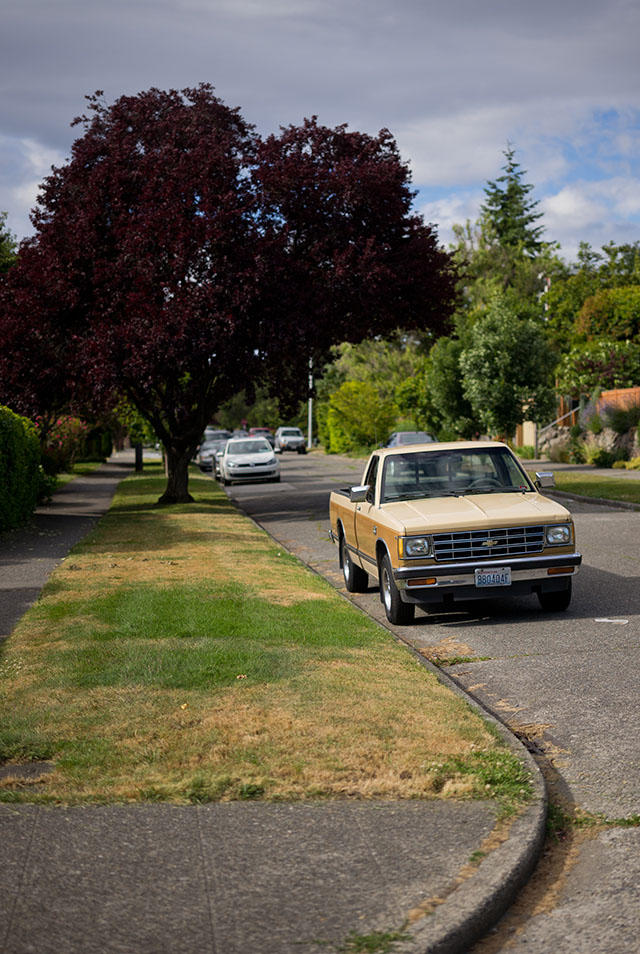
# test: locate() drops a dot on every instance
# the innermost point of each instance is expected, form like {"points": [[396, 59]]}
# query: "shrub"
{"points": [[633, 464], [22, 482], [577, 451], [604, 458], [594, 423], [526, 451], [600, 458], [63, 443], [622, 419], [619, 464]]}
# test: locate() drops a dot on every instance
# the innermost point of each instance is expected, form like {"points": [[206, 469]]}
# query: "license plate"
{"points": [[501, 576]]}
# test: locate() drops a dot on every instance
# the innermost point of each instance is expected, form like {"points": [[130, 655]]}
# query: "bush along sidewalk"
{"points": [[23, 483], [178, 654]]}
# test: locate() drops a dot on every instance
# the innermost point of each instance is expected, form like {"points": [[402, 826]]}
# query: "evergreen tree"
{"points": [[509, 210]]}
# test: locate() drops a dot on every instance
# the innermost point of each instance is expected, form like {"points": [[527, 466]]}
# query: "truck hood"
{"points": [[477, 511]]}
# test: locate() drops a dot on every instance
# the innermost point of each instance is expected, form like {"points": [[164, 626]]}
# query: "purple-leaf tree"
{"points": [[178, 258]]}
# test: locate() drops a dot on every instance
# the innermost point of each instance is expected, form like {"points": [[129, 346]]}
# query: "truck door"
{"points": [[365, 520]]}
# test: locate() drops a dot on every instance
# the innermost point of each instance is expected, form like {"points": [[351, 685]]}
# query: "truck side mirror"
{"points": [[545, 479], [359, 494]]}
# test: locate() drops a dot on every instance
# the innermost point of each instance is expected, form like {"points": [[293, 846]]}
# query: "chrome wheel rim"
{"points": [[346, 564], [386, 588]]}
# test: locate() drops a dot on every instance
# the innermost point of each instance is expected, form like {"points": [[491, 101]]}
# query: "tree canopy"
{"points": [[179, 258]]}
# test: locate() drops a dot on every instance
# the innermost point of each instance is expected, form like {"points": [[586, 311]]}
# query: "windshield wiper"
{"points": [[496, 490], [421, 494]]}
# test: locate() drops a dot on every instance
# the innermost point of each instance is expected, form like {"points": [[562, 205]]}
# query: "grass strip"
{"points": [[179, 654], [593, 485]]}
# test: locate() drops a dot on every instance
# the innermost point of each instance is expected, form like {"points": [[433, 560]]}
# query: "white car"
{"points": [[248, 458]]}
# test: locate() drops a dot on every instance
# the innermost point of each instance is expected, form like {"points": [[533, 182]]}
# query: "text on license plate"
{"points": [[500, 576]]}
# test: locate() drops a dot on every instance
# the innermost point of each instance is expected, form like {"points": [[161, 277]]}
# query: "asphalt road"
{"points": [[567, 681]]}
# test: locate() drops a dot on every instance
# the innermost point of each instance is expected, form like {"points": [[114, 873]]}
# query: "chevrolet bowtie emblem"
{"points": [[489, 543]]}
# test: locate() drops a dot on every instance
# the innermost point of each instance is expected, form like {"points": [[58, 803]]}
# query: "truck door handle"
{"points": [[375, 530], [358, 507]]}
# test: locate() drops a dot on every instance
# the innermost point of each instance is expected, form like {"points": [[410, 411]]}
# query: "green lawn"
{"points": [[179, 654]]}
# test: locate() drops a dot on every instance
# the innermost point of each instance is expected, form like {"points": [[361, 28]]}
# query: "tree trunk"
{"points": [[178, 460]]}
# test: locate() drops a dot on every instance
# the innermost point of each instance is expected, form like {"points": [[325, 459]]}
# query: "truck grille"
{"points": [[488, 544]]}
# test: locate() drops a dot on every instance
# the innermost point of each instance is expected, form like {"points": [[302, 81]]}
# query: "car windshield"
{"points": [[415, 438], [211, 446], [259, 446], [452, 473], [291, 432]]}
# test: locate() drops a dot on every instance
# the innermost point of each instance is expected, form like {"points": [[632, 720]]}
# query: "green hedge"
{"points": [[21, 476]]}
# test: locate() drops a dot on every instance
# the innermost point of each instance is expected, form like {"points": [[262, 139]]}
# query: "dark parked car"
{"points": [[263, 432], [206, 456], [398, 438]]}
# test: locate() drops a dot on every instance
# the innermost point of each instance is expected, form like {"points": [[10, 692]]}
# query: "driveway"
{"points": [[567, 682]]}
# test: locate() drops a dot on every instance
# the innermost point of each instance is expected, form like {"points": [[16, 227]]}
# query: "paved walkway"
{"points": [[235, 878]]}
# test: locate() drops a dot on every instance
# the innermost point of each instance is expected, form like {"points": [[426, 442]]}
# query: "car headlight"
{"points": [[411, 548], [558, 534], [232, 463], [271, 460]]}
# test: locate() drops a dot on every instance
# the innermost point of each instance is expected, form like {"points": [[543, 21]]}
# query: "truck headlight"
{"points": [[558, 534], [412, 547]]}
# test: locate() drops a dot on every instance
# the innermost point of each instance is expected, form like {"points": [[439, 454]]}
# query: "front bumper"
{"points": [[456, 581], [251, 473]]}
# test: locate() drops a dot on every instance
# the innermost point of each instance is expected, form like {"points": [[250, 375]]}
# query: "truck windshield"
{"points": [[447, 473]]}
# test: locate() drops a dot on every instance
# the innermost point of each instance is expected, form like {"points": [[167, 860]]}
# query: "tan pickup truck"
{"points": [[444, 522]]}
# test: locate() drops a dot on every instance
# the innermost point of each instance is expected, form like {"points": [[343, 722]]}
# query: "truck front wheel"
{"points": [[355, 578], [398, 613]]}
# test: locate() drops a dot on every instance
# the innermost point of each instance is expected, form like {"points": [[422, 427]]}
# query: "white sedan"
{"points": [[248, 458]]}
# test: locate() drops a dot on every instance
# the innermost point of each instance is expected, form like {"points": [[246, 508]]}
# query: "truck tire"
{"points": [[356, 579], [398, 613], [557, 601]]}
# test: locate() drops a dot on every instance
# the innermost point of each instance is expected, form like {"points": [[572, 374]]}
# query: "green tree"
{"points": [[8, 245], [510, 210], [595, 298], [386, 365], [599, 364], [357, 418], [507, 369], [452, 414]]}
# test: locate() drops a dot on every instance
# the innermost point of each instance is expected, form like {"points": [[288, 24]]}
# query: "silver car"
{"points": [[248, 458], [290, 438]]}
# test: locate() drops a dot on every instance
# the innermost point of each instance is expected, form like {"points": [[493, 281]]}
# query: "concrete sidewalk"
{"points": [[239, 877]]}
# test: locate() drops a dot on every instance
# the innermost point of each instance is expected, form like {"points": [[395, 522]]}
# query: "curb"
{"points": [[479, 902], [475, 905]]}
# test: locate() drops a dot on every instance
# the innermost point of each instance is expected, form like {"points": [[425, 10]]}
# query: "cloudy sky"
{"points": [[454, 81]]}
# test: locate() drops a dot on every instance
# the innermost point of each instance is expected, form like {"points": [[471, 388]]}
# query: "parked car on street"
{"points": [[206, 456], [408, 437], [215, 434], [290, 439], [263, 432], [248, 458]]}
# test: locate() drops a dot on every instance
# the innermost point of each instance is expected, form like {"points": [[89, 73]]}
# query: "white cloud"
{"points": [[596, 212], [30, 162]]}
